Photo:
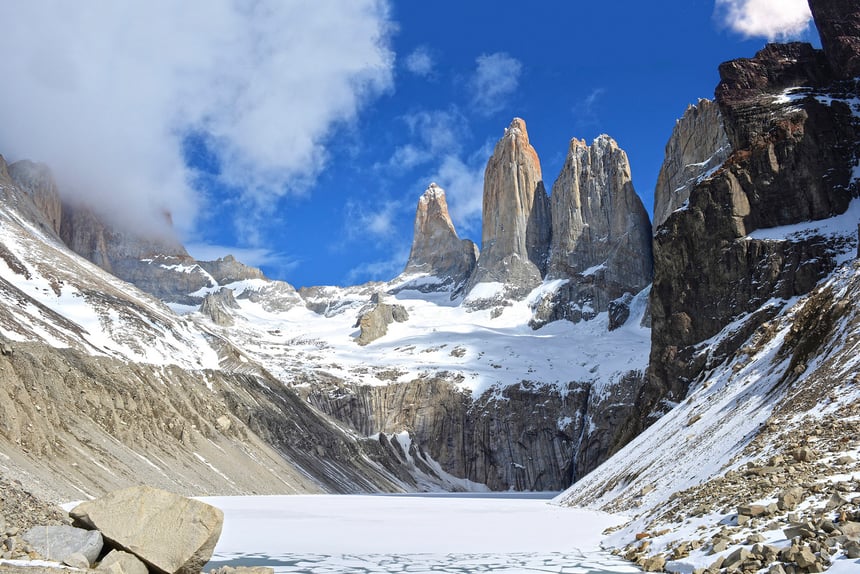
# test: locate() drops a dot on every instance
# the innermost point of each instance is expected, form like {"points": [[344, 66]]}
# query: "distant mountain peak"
{"points": [[436, 248]]}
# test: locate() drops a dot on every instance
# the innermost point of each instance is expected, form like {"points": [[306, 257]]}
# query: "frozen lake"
{"points": [[412, 533]]}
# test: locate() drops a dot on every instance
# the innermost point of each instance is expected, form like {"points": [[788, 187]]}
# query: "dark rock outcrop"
{"points": [[529, 436], [795, 142], [601, 234], [838, 23], [698, 146], [436, 249], [516, 217]]}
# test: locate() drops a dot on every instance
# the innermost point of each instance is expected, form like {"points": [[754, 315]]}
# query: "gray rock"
{"points": [[216, 306], [77, 560], [171, 533], [789, 499], [852, 549], [374, 323], [736, 558], [119, 562], [436, 248], [59, 542], [515, 234], [697, 146], [601, 234]]}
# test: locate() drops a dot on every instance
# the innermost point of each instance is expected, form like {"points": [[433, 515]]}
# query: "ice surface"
{"points": [[412, 534]]}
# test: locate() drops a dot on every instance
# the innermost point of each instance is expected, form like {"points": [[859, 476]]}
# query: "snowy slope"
{"points": [[482, 349], [49, 294], [684, 475]]}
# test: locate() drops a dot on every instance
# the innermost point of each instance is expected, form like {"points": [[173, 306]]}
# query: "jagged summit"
{"points": [[437, 251], [516, 220], [601, 234]]}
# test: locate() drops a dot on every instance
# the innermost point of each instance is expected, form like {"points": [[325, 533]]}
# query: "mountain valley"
{"points": [[672, 374]]}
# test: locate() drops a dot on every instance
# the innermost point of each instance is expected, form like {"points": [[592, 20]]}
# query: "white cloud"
{"points": [[106, 93], [254, 257], [771, 19], [431, 133], [496, 77], [585, 110], [383, 270], [420, 62], [378, 222]]}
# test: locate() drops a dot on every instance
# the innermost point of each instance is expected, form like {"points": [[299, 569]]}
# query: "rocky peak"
{"points": [[436, 248], [698, 145], [601, 234], [838, 23], [516, 216]]}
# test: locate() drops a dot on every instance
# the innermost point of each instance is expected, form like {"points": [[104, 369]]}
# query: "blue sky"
{"points": [[300, 135]]}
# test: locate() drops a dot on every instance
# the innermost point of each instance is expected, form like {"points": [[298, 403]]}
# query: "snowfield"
{"points": [[484, 349]]}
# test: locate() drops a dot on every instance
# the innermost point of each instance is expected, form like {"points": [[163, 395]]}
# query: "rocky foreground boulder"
{"points": [[170, 533]]}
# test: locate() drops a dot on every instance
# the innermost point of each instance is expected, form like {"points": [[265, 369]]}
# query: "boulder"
{"points": [[170, 533], [60, 542], [374, 323], [789, 499], [119, 562]]}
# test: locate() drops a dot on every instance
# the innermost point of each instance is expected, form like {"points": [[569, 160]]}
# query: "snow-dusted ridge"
{"points": [[486, 348]]}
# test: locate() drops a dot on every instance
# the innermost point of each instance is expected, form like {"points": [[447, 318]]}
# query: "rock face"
{"points": [[601, 234], [170, 533], [516, 217], [436, 249], [38, 181], [562, 431], [216, 306], [792, 161], [838, 23], [374, 323], [159, 265], [698, 145]]}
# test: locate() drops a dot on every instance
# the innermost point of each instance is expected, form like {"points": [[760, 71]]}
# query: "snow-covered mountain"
{"points": [[525, 365]]}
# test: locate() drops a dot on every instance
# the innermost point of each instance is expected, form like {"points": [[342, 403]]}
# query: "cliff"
{"points": [[516, 218], [697, 147]]}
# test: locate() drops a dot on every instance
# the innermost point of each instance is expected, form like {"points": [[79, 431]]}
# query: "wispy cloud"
{"points": [[373, 222], [382, 270], [255, 257], [431, 133], [585, 110], [496, 77], [420, 62], [771, 19], [107, 94]]}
